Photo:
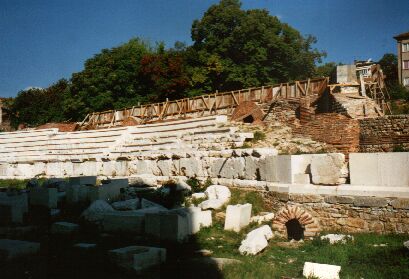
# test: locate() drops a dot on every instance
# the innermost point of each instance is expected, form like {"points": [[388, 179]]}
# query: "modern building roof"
{"points": [[402, 36]]}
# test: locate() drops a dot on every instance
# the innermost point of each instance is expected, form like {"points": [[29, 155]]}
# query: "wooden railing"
{"points": [[208, 104]]}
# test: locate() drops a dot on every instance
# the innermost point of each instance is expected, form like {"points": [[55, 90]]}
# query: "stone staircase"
{"points": [[212, 132]]}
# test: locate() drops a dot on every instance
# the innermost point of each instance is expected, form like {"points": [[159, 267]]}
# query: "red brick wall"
{"points": [[338, 130], [384, 134]]}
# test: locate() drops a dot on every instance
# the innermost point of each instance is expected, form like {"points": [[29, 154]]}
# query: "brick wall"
{"points": [[383, 134], [338, 130]]}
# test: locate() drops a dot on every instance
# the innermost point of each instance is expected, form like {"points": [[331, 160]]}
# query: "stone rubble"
{"points": [[321, 271], [12, 249], [256, 241], [131, 204], [138, 258], [95, 212], [217, 195], [263, 217], [337, 238], [64, 228]]}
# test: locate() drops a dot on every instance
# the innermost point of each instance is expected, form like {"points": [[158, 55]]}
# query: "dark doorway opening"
{"points": [[248, 119], [294, 230]]}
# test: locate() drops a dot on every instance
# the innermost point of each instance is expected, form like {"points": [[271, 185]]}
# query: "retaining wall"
{"points": [[349, 214], [383, 134]]}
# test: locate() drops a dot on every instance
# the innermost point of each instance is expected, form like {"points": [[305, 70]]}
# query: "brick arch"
{"points": [[307, 221]]}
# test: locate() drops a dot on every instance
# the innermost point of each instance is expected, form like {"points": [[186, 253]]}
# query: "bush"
{"points": [[258, 135], [399, 148]]}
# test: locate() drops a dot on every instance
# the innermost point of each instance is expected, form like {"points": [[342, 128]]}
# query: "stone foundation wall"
{"points": [[383, 134], [349, 214], [338, 130]]}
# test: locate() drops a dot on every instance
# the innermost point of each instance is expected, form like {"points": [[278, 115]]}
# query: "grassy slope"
{"points": [[359, 259]]}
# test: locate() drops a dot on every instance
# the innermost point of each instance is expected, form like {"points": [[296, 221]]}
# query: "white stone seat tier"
{"points": [[50, 145]]}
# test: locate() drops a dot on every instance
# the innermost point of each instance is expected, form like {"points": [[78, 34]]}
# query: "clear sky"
{"points": [[42, 41]]}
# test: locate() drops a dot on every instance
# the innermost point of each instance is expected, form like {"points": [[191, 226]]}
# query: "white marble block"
{"points": [[321, 271], [237, 217]]}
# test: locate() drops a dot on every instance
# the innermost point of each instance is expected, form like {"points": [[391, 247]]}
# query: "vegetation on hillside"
{"points": [[399, 94], [232, 49]]}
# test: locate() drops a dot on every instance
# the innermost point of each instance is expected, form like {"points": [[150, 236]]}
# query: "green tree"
{"points": [[326, 70], [389, 66], [36, 106], [110, 80], [235, 48], [164, 75]]}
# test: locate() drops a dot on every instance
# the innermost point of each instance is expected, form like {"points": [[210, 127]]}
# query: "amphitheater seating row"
{"points": [[50, 144]]}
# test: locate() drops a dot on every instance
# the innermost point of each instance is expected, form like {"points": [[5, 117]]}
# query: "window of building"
{"points": [[405, 64], [405, 47], [406, 81]]}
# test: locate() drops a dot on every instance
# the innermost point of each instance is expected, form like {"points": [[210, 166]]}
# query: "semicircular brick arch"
{"points": [[306, 220]]}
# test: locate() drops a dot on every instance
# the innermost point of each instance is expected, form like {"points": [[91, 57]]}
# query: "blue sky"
{"points": [[43, 41]]}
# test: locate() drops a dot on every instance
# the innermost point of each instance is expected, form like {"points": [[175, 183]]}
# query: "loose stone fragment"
{"points": [[321, 271], [256, 241], [337, 238], [64, 228], [11, 249]]}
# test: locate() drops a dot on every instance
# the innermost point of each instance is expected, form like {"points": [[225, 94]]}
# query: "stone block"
{"points": [[339, 199], [110, 190], [305, 198], [12, 249], [64, 228], [301, 178], [227, 168], [288, 169], [237, 217], [346, 74], [131, 204], [256, 241], [337, 238], [13, 208], [328, 169], [86, 168], [400, 204], [321, 271], [143, 180], [95, 212], [206, 219], [211, 204], [138, 258], [370, 202], [83, 180], [123, 221], [167, 167], [191, 167], [251, 170], [218, 192], [77, 193], [195, 217], [379, 169], [143, 167], [47, 197], [148, 204], [167, 226]]}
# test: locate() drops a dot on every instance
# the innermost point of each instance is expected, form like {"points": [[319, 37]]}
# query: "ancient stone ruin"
{"points": [[109, 160]]}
